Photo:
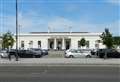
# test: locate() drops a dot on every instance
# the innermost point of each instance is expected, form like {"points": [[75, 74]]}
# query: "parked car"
{"points": [[26, 54], [109, 53], [93, 52], [45, 51], [22, 53], [3, 53], [71, 53], [37, 52]]}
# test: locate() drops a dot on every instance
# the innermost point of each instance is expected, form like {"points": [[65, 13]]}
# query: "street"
{"points": [[81, 73]]}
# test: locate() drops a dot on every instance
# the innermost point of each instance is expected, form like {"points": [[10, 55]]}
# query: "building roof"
{"points": [[55, 32], [60, 34]]}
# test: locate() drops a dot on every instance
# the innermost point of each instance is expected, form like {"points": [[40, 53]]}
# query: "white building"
{"points": [[58, 40], [0, 42]]}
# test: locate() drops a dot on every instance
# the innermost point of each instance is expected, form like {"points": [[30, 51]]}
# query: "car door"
{"points": [[74, 53], [78, 53], [82, 53]]}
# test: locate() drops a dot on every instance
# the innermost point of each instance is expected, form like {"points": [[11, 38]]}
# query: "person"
{"points": [[9, 55]]}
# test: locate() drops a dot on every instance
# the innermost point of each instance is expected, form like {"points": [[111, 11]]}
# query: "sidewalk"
{"points": [[60, 61]]}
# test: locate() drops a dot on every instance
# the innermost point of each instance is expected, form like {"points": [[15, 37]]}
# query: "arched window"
{"points": [[22, 44], [31, 44], [39, 44]]}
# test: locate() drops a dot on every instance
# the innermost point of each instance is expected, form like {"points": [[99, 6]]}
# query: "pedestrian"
{"points": [[9, 56]]}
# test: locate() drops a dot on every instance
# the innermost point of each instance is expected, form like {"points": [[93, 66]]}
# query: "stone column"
{"points": [[63, 43], [55, 43]]}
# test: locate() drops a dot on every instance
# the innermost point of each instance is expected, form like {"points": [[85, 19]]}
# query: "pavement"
{"points": [[60, 70], [59, 74], [60, 61]]}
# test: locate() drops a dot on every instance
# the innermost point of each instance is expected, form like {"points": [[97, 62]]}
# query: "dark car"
{"points": [[44, 51], [93, 52], [22, 53], [37, 52], [109, 53], [25, 54]]}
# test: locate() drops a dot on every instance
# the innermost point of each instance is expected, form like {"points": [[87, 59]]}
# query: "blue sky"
{"points": [[59, 15]]}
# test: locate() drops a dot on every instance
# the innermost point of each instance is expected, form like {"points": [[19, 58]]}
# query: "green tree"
{"points": [[7, 40], [82, 42], [116, 41], [107, 38]]}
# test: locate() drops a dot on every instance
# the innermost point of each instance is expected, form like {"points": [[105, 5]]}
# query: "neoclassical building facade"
{"points": [[58, 40], [0, 42]]}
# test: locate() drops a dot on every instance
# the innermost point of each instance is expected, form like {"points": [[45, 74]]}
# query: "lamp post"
{"points": [[16, 30]]}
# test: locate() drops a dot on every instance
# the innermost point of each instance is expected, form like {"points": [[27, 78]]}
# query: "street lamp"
{"points": [[16, 30]]}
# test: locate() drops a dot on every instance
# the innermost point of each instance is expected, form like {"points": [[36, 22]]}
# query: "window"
{"points": [[87, 44], [31, 44], [39, 44], [96, 45], [22, 44]]}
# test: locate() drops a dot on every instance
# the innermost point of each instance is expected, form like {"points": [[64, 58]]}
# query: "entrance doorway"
{"points": [[50, 44], [68, 44], [59, 45]]}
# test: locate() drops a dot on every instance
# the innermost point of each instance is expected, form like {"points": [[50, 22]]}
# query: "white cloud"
{"points": [[59, 23], [25, 21], [29, 23]]}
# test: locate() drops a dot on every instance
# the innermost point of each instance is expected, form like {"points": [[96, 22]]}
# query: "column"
{"points": [[63, 43], [55, 43]]}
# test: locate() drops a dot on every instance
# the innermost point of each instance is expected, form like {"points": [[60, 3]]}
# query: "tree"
{"points": [[7, 40], [107, 38], [116, 41], [82, 42]]}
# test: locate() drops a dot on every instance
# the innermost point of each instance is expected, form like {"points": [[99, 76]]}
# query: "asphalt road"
{"points": [[59, 74]]}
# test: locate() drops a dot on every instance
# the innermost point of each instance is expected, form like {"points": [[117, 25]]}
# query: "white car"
{"points": [[72, 53], [3, 54]]}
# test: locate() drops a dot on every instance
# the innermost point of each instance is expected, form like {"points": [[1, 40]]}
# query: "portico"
{"points": [[59, 43]]}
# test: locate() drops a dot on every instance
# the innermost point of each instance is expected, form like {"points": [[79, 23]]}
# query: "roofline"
{"points": [[59, 33], [56, 32]]}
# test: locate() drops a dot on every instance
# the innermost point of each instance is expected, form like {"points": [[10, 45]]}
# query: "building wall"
{"points": [[91, 39], [44, 39], [0, 43]]}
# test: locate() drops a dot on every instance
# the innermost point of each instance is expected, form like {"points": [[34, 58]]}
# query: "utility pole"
{"points": [[16, 30]]}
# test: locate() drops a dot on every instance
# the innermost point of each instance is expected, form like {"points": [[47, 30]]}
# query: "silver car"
{"points": [[3, 54], [71, 53]]}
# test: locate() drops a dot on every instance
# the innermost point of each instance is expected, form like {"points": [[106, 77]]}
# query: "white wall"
{"points": [[44, 40], [91, 39], [35, 39]]}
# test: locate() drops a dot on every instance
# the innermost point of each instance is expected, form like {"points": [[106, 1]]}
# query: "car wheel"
{"points": [[88, 56], [71, 56]]}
